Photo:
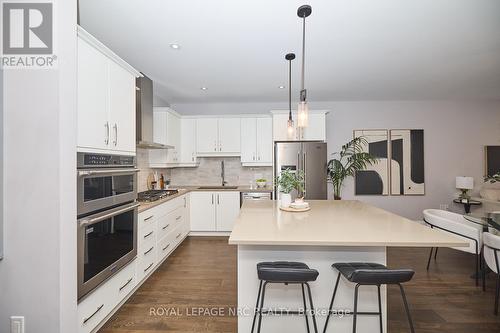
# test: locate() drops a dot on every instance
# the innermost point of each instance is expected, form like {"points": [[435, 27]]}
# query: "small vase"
{"points": [[286, 200]]}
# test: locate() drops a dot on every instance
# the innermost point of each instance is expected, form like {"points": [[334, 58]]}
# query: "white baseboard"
{"points": [[209, 233]]}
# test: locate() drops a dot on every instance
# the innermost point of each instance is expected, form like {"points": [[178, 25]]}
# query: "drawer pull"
{"points": [[179, 235], [165, 227], [92, 315], [166, 247], [178, 218], [148, 218], [148, 234], [151, 249], [147, 268], [126, 284]]}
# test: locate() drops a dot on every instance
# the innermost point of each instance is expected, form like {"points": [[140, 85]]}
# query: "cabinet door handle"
{"points": [[92, 315], [148, 218], [179, 235], [147, 268], [185, 202], [115, 127], [148, 234], [166, 247], [178, 218], [151, 249], [165, 227], [218, 201], [106, 136], [126, 284], [212, 199]]}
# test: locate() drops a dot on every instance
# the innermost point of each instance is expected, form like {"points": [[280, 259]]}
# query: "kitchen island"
{"points": [[332, 231]]}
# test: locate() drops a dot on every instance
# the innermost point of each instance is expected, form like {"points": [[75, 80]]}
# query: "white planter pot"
{"points": [[286, 199]]}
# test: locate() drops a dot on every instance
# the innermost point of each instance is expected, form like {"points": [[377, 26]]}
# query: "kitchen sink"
{"points": [[217, 187]]}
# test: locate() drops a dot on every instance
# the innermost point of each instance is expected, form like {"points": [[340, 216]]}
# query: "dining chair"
{"points": [[491, 257], [456, 224]]}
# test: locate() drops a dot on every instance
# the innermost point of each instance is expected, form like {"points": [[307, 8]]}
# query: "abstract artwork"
{"points": [[407, 162], [374, 180], [492, 160]]}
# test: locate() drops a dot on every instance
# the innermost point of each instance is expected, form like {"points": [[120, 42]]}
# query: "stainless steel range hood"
{"points": [[144, 115]]}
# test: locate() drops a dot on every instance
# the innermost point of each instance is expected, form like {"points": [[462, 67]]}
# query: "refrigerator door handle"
{"points": [[305, 173]]}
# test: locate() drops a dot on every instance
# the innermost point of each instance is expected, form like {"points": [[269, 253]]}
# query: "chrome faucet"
{"points": [[223, 173]]}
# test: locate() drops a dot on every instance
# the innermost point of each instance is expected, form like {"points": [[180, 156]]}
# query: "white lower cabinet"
{"points": [[160, 230], [214, 211]]}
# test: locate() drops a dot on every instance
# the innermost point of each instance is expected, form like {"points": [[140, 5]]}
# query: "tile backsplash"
{"points": [[145, 170], [209, 172]]}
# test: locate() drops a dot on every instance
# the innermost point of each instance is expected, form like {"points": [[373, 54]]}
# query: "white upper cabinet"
{"points": [[207, 135], [122, 108], [218, 136], [315, 131], [166, 130], [256, 141], [188, 142], [229, 135], [106, 98]]}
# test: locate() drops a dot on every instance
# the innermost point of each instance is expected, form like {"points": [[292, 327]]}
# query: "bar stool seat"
{"points": [[372, 273], [286, 272]]}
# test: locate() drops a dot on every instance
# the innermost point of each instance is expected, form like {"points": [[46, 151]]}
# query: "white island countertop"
{"points": [[333, 223]]}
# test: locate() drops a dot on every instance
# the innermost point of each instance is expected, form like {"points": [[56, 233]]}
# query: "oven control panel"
{"points": [[104, 160]]}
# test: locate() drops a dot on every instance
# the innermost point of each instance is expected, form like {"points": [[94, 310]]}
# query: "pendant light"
{"points": [[290, 127], [303, 109]]}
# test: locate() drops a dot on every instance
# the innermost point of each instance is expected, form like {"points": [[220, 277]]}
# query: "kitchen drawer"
{"points": [[146, 218], [147, 262], [95, 307], [170, 221], [165, 246], [124, 282], [146, 235]]}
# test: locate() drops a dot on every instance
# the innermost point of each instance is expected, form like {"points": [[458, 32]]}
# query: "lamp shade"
{"points": [[464, 183]]}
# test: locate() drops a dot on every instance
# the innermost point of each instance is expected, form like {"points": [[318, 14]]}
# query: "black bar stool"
{"points": [[285, 272], [371, 274]]}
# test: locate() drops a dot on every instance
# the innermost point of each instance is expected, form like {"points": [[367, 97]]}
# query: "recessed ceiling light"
{"points": [[175, 46], [281, 87], [203, 88]]}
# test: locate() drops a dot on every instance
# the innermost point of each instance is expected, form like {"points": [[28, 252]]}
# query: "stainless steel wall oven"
{"points": [[107, 217]]}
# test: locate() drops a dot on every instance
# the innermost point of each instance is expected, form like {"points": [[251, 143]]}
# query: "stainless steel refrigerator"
{"points": [[308, 156]]}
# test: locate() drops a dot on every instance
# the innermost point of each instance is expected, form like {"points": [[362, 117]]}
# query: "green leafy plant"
{"points": [[493, 178], [351, 158], [288, 181], [261, 180]]}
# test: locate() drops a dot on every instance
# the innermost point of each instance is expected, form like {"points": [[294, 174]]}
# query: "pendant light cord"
{"points": [[303, 50], [290, 89]]}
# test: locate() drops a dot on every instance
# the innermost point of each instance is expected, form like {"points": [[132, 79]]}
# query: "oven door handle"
{"points": [[88, 221], [84, 173]]}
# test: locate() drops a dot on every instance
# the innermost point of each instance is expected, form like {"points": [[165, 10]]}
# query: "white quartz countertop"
{"points": [[333, 223]]}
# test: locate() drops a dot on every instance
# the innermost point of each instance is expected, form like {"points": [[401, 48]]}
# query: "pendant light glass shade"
{"points": [[303, 114], [290, 130]]}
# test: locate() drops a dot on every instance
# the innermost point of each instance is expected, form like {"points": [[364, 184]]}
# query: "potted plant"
{"points": [[351, 158], [288, 181], [493, 179], [261, 182]]}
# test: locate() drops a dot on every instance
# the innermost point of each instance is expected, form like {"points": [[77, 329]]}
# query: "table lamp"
{"points": [[464, 184]]}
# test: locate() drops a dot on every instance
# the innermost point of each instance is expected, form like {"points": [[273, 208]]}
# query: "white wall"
{"points": [[38, 272], [455, 133]]}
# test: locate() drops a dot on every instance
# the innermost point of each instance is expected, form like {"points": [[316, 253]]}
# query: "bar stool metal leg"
{"points": [[380, 309], [305, 307], [256, 306], [497, 293], [261, 305], [406, 308], [429, 260], [355, 313], [312, 307], [331, 302]]}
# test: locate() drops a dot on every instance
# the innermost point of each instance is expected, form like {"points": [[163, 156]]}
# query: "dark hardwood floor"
{"points": [[202, 273]]}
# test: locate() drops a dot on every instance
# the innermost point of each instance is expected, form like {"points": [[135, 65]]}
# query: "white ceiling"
{"points": [[355, 49]]}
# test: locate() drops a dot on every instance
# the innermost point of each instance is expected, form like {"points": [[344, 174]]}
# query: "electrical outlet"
{"points": [[16, 324], [444, 206]]}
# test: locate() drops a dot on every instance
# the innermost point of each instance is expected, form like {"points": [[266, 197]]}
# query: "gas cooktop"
{"points": [[153, 195]]}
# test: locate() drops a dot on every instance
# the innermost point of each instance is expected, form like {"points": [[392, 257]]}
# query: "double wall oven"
{"points": [[107, 217]]}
